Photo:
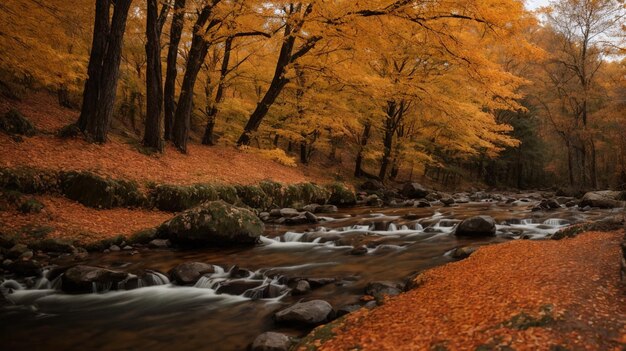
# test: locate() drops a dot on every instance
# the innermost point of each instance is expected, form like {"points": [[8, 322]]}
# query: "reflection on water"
{"points": [[161, 316]]}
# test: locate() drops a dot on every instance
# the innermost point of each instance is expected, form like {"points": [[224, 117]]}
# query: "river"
{"points": [[401, 241]]}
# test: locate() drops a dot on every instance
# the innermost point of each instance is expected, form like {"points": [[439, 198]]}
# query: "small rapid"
{"points": [[230, 306]]}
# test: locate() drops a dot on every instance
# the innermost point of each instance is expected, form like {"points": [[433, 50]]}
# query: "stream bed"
{"points": [[218, 314]]}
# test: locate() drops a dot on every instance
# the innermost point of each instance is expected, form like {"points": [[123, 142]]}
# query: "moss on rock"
{"points": [[175, 198], [340, 195], [214, 223]]}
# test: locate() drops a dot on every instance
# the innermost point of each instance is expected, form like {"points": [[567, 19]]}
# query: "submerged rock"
{"points": [[311, 313], [188, 273], [476, 226], [213, 223], [83, 279], [271, 341]]}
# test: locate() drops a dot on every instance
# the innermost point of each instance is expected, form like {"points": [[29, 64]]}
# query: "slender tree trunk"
{"points": [[208, 139], [154, 89], [303, 153], [594, 176], [94, 69], [358, 167], [176, 30], [279, 80], [197, 54], [388, 140], [98, 126], [570, 165]]}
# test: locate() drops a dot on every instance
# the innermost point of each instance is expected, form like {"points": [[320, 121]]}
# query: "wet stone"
{"points": [[271, 341]]}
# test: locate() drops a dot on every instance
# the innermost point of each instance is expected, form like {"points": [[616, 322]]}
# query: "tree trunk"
{"points": [[388, 140], [197, 54], [358, 167], [94, 68], [176, 30], [207, 139], [279, 80], [154, 89], [303, 153], [98, 125]]}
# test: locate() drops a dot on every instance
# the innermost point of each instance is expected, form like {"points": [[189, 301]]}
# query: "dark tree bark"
{"points": [[358, 167], [94, 69], [395, 113], [208, 139], [279, 81], [154, 82], [197, 54], [97, 124], [176, 30]]}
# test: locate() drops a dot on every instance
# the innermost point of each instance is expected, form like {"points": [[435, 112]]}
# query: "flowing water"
{"points": [[209, 316]]}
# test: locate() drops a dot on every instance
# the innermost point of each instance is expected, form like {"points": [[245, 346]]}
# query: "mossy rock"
{"points": [[29, 180], [7, 240], [95, 191], [143, 236], [14, 123], [253, 196], [274, 191], [227, 193], [103, 244], [215, 223], [175, 198], [31, 206], [340, 195], [54, 245], [314, 194]]}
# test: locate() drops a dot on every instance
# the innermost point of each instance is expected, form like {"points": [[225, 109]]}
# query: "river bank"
{"points": [[521, 295]]}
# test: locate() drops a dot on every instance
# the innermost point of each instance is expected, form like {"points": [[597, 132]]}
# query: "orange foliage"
{"points": [[473, 302]]}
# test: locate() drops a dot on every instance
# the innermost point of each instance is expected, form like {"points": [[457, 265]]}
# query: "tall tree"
{"points": [[196, 56], [103, 69], [176, 30], [583, 29], [154, 82], [289, 54]]}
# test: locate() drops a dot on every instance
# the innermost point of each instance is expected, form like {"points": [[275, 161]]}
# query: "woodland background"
{"points": [[390, 90]]}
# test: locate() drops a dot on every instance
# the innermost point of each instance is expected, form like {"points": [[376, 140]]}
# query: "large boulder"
{"points": [[603, 199], [189, 273], [476, 226], [414, 191], [214, 223], [311, 313], [271, 341], [82, 279]]}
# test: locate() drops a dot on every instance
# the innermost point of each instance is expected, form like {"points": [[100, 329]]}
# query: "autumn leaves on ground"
{"points": [[522, 295], [129, 126]]}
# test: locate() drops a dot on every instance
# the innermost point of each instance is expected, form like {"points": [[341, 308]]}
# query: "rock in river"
{"points": [[81, 279], [271, 341], [477, 226], [603, 199], [215, 223], [188, 273], [414, 191], [308, 313]]}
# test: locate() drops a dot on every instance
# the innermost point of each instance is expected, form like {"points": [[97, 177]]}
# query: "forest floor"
{"points": [[121, 157], [520, 295], [67, 219]]}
